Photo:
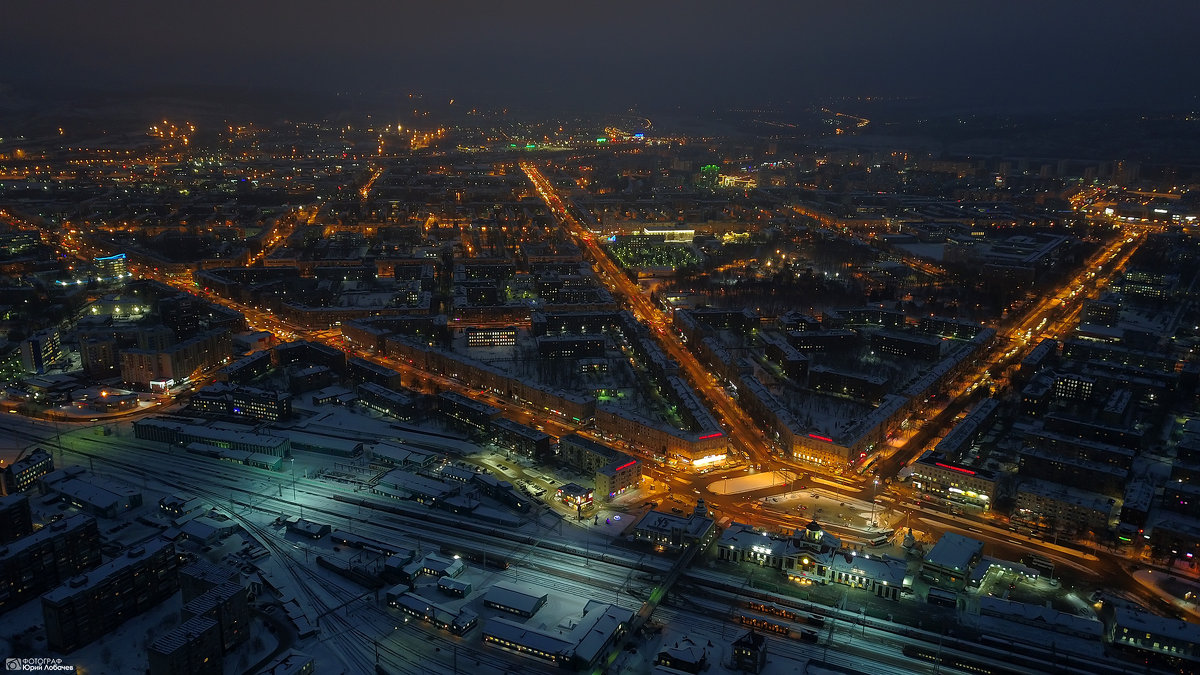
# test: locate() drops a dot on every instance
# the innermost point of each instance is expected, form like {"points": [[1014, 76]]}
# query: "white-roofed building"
{"points": [[399, 455], [671, 531], [950, 561], [1041, 617], [457, 622], [290, 662], [601, 625], [1069, 509], [400, 484], [1134, 628], [509, 598], [882, 575], [525, 640]]}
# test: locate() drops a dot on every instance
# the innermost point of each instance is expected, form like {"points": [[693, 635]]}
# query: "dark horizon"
{"points": [[546, 55]]}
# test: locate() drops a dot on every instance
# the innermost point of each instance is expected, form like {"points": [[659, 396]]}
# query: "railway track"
{"points": [[372, 626]]}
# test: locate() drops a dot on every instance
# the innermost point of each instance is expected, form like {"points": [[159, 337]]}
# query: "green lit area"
{"points": [[632, 255], [609, 395]]}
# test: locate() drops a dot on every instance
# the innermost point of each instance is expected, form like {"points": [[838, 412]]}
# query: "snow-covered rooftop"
{"points": [[954, 552]]}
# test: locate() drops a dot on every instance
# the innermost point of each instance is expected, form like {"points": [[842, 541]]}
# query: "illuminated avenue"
{"points": [[462, 391]]}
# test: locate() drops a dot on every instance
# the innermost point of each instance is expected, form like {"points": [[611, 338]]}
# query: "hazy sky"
{"points": [[617, 53]]}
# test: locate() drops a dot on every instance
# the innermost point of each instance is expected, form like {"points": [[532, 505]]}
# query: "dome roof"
{"points": [[813, 527]]}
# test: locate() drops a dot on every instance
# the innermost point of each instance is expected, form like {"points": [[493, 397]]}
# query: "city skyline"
{"points": [[1042, 56], [552, 337]]}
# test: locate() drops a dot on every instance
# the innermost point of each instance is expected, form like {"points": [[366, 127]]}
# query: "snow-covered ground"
{"points": [[122, 651], [1180, 591], [749, 482]]}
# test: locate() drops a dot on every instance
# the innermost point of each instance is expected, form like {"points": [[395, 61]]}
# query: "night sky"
{"points": [[616, 54]]}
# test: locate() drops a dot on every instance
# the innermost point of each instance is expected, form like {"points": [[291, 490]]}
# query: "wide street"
{"points": [[782, 504]]}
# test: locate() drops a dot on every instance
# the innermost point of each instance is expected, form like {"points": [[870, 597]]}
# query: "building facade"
{"points": [[91, 605]]}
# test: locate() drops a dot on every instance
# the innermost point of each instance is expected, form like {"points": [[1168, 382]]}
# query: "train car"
{"points": [[764, 625], [484, 558], [365, 543], [954, 661]]}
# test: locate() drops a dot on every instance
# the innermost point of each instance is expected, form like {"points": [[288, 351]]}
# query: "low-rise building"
{"points": [[96, 495], [400, 484], [508, 598], [750, 652], [670, 531], [457, 622], [949, 563], [596, 629], [456, 587], [881, 575], [528, 641], [1041, 617], [573, 494], [176, 506], [812, 555], [687, 659], [1134, 629], [181, 433], [432, 564], [291, 662], [308, 528], [255, 459]]}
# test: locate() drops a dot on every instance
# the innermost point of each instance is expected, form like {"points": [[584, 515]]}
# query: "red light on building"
{"points": [[955, 468], [710, 436], [821, 438], [626, 465]]}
